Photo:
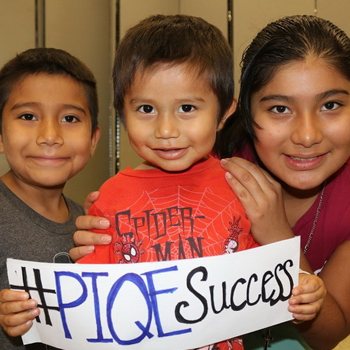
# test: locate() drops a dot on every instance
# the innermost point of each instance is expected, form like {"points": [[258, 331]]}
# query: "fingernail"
{"points": [[228, 176], [89, 248], [223, 161], [106, 239], [104, 223]]}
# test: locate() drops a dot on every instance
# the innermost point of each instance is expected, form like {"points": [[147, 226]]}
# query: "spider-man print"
{"points": [[130, 250], [231, 243]]}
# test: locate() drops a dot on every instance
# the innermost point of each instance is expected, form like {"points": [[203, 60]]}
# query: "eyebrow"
{"points": [[180, 100], [320, 97], [36, 104], [277, 97], [331, 93]]}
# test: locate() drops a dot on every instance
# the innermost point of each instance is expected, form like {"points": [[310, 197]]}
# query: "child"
{"points": [[173, 91], [295, 109], [48, 120]]}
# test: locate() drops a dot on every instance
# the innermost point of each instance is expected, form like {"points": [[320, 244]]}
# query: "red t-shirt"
{"points": [[157, 216]]}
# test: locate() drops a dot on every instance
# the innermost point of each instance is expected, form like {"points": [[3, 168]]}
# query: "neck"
{"points": [[298, 202], [47, 202]]}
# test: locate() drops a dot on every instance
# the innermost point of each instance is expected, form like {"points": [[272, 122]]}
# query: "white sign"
{"points": [[181, 304]]}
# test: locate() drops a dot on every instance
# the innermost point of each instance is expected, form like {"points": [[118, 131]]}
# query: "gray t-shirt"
{"points": [[26, 235]]}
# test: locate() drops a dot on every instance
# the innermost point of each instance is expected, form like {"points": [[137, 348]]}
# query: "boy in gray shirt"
{"points": [[48, 132]]}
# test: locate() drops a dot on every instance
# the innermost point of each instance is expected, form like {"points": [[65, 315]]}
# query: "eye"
{"points": [[28, 116], [330, 106], [147, 109], [70, 119], [279, 109], [186, 108]]}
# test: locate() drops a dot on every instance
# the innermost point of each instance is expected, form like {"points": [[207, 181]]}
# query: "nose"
{"points": [[166, 126], [49, 133], [307, 130]]}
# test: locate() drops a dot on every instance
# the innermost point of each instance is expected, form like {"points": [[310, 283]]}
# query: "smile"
{"points": [[305, 163], [304, 159], [170, 153]]}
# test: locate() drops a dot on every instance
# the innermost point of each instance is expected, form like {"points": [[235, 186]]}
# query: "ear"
{"points": [[94, 140], [228, 112]]}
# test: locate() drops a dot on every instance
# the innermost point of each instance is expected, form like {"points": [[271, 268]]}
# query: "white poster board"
{"points": [[183, 304]]}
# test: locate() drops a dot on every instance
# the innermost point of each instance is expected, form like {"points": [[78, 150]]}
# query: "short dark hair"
{"points": [[281, 42], [174, 39], [48, 61]]}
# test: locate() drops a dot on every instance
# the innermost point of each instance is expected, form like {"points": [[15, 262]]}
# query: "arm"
{"points": [[17, 312], [85, 241], [332, 324], [262, 200]]}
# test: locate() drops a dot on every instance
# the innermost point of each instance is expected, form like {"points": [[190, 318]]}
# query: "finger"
{"points": [[20, 323], [91, 197], [86, 238], [89, 222], [12, 307], [79, 252], [245, 197], [305, 312], [243, 183], [262, 177], [309, 285], [239, 166], [7, 295], [19, 330], [253, 179]]}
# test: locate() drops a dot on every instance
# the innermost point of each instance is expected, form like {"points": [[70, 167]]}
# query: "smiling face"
{"points": [[171, 117], [46, 131], [304, 115]]}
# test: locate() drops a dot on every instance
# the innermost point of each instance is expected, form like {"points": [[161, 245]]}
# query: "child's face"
{"points": [[304, 115], [171, 117], [46, 130]]}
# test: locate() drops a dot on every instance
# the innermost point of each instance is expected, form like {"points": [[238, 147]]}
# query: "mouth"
{"points": [[309, 159], [167, 149], [170, 153], [48, 159], [305, 162]]}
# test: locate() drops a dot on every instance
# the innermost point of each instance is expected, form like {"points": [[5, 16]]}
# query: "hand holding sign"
{"points": [[155, 305]]}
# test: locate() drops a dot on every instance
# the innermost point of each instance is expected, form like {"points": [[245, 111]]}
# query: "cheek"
{"points": [[137, 136], [338, 135], [200, 133]]}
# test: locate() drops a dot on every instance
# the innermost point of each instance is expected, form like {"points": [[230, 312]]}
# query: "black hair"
{"points": [[174, 39], [288, 39], [48, 61]]}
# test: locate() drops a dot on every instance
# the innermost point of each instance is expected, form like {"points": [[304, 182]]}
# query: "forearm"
{"points": [[330, 326], [327, 329]]}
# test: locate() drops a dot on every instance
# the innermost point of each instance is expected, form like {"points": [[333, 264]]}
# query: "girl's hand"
{"points": [[308, 297], [261, 198]]}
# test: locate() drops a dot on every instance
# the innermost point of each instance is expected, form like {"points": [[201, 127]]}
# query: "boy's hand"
{"points": [[85, 241], [308, 298], [17, 312]]}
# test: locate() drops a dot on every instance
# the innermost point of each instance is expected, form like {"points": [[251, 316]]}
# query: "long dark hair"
{"points": [[288, 39]]}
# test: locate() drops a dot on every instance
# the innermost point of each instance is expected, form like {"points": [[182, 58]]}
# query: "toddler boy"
{"points": [[173, 89]]}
